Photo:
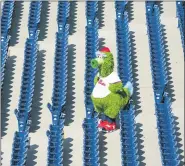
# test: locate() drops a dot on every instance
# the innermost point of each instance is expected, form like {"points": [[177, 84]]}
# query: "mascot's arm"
{"points": [[116, 87], [96, 79]]}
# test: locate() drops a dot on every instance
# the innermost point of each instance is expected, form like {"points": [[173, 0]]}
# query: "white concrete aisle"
{"points": [[1, 4], [75, 109]]}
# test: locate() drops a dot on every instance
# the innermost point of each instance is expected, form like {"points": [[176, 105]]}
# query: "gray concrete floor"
{"points": [[109, 143]]}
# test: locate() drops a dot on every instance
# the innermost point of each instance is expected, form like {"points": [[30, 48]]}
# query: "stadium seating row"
{"points": [[57, 108], [128, 135], [21, 139], [91, 134], [6, 21], [165, 119], [180, 14]]}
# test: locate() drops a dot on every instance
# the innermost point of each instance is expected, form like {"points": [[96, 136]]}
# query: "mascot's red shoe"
{"points": [[101, 124], [107, 126]]}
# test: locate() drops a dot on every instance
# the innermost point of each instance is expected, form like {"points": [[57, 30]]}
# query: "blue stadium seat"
{"points": [[34, 17]]}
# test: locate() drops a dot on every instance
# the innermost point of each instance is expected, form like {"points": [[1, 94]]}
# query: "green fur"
{"points": [[111, 104], [96, 78], [107, 67], [115, 88], [119, 96]]}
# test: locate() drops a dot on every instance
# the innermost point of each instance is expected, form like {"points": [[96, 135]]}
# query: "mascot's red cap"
{"points": [[105, 49]]}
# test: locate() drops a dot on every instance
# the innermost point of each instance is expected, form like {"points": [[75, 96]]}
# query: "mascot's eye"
{"points": [[97, 55], [100, 55]]}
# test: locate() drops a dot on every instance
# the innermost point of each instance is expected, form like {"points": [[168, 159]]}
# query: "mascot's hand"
{"points": [[116, 88], [96, 80]]}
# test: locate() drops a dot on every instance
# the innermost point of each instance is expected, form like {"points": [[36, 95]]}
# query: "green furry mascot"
{"points": [[108, 96]]}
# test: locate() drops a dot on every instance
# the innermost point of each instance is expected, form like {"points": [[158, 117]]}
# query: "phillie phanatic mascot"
{"points": [[108, 96]]}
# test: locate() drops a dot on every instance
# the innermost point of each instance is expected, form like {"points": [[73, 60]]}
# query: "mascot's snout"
{"points": [[95, 63]]}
